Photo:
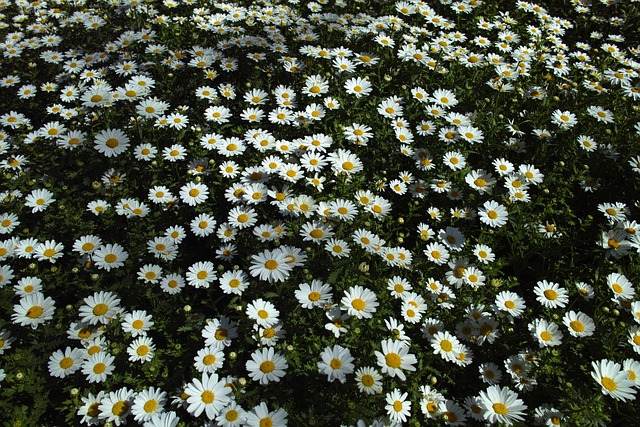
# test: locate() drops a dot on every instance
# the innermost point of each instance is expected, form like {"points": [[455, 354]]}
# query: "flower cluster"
{"points": [[338, 213]]}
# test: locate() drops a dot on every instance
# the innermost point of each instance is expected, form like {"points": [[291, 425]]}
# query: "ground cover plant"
{"points": [[328, 213]]}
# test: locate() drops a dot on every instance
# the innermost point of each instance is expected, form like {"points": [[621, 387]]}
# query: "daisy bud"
{"points": [[53, 268], [95, 276], [434, 380], [220, 268], [400, 220], [605, 309], [233, 355], [242, 381], [75, 270], [19, 376], [155, 163], [32, 266], [616, 312], [239, 308], [95, 185], [187, 308], [74, 392]]}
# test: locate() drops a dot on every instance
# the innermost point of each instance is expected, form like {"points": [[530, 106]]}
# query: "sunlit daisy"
{"points": [[336, 363]]}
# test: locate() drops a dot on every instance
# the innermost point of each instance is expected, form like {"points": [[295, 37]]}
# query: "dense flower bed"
{"points": [[319, 213]]}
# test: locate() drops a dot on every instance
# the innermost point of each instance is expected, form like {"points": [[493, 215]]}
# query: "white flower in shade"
{"points": [[208, 395], [89, 409], [336, 362], [266, 365], [501, 405], [614, 380], [395, 358]]}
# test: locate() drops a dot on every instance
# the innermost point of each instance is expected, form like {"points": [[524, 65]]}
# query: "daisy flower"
{"points": [[564, 119], [137, 323], [209, 359], [359, 302], [260, 416], [38, 200], [547, 333], [98, 366], [621, 287], [614, 380], [116, 406], [89, 409], [579, 324], [446, 345], [318, 294], [194, 193], [501, 405], [150, 273], [100, 307], [110, 256], [234, 282], [369, 380], [266, 366], [510, 303], [358, 86], [270, 265], [148, 403], [493, 214], [201, 274], [111, 142], [220, 332], [48, 251], [398, 407], [208, 395], [62, 364], [336, 362], [5, 340], [141, 350], [551, 295], [263, 312], [87, 244], [336, 321], [395, 358], [33, 310], [172, 283]]}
